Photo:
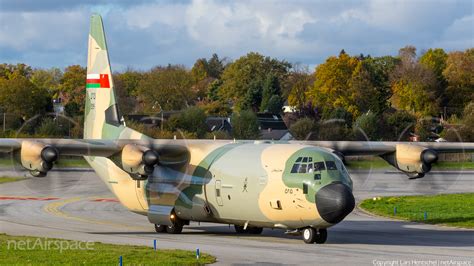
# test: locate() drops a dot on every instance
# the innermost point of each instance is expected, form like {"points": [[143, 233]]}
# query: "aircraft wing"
{"points": [[38, 155], [413, 158], [360, 148]]}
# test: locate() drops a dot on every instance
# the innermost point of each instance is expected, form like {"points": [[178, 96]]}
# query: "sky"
{"points": [[142, 34]]}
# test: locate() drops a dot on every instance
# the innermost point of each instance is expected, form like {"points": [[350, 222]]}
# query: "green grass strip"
{"points": [[447, 209], [21, 250]]}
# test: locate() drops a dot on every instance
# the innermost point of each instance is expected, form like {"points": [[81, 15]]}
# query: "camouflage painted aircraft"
{"points": [[302, 187]]}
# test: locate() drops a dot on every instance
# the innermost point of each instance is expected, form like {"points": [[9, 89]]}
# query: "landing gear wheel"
{"points": [[159, 228], [309, 235], [321, 236], [249, 230], [239, 229], [174, 229], [255, 230]]}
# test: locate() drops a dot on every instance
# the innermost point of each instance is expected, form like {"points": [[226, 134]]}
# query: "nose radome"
{"points": [[334, 202]]}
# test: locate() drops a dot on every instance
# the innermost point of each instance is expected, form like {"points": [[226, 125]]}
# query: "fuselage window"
{"points": [[319, 166], [331, 165]]}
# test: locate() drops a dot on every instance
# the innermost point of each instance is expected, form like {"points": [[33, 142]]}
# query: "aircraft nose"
{"points": [[334, 202]]}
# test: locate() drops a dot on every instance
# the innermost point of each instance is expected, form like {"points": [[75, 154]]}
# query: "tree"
{"points": [[192, 119], [168, 86], [215, 66], [299, 81], [271, 87], [245, 125], [48, 79], [366, 127], [9, 70], [459, 73], [247, 71], [399, 124], [413, 85], [275, 104], [21, 97], [304, 129], [370, 84], [126, 90], [465, 131], [73, 89], [332, 83]]}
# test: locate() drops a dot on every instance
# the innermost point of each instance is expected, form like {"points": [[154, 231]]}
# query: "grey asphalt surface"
{"points": [[360, 239]]}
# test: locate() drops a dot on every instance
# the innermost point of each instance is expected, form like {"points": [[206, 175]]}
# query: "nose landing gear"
{"points": [[312, 235]]}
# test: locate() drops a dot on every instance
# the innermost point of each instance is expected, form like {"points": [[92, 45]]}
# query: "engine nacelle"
{"points": [[138, 161], [413, 160], [37, 157]]}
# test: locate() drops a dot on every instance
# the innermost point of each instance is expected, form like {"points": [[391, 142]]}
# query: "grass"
{"points": [[447, 209], [7, 179], [34, 250]]}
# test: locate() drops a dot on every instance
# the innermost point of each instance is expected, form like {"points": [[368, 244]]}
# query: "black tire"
{"points": [[309, 235], [239, 229], [321, 236], [159, 228], [255, 230], [174, 229]]}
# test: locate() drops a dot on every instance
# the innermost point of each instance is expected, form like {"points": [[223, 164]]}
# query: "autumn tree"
{"points": [[300, 81], [413, 85], [245, 125], [248, 73], [332, 83], [126, 90], [168, 87], [19, 96], [459, 73], [73, 89], [370, 84]]}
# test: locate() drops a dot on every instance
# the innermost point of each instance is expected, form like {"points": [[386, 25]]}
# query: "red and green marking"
{"points": [[97, 81]]}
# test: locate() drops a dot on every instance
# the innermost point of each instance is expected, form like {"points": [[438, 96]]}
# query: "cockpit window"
{"points": [[302, 169], [295, 167], [319, 166], [299, 159], [305, 159], [331, 165], [310, 159]]}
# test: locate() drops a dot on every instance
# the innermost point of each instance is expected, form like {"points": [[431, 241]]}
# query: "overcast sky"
{"points": [[142, 34]]}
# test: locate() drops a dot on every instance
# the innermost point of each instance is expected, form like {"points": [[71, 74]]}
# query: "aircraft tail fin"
{"points": [[102, 119]]}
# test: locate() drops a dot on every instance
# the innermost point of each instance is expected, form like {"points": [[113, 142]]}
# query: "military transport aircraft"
{"points": [[302, 187]]}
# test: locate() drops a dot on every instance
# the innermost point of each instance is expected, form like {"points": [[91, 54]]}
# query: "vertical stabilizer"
{"points": [[102, 120]]}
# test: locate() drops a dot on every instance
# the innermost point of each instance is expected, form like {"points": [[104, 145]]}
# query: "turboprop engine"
{"points": [[415, 161], [38, 157], [138, 161]]}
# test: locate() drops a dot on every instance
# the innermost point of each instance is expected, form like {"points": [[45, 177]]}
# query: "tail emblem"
{"points": [[98, 81]]}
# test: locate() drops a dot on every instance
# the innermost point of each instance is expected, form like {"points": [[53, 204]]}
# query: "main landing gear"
{"points": [[175, 228], [312, 235], [249, 230]]}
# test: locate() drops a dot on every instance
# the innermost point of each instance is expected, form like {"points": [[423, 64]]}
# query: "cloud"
{"points": [[142, 34]]}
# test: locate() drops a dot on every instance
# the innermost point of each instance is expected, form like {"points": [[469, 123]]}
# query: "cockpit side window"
{"points": [[319, 166], [331, 165], [299, 159]]}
